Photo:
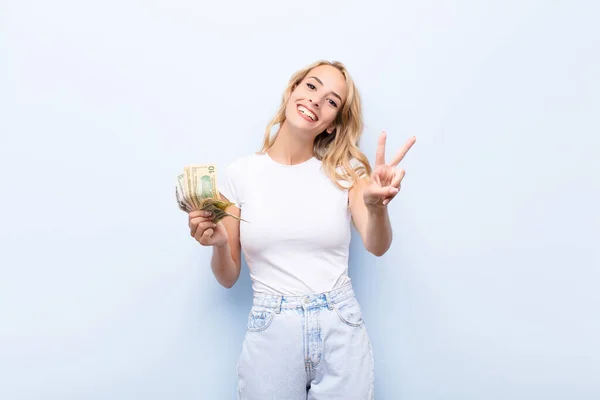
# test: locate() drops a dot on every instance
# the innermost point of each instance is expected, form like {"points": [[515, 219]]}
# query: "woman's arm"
{"points": [[372, 222], [224, 237], [226, 258], [371, 195]]}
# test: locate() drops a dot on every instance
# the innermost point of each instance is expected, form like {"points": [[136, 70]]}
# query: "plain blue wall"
{"points": [[490, 290]]}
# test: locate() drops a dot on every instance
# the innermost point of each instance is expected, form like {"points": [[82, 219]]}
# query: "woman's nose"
{"points": [[314, 103]]}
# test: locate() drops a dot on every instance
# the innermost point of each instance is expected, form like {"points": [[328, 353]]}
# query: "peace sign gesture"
{"points": [[385, 178]]}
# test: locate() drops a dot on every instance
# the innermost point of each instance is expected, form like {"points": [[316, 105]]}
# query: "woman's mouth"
{"points": [[307, 114]]}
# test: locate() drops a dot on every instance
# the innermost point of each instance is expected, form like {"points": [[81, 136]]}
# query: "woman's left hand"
{"points": [[385, 178]]}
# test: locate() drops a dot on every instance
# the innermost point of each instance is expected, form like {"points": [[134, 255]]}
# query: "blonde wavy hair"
{"points": [[338, 149]]}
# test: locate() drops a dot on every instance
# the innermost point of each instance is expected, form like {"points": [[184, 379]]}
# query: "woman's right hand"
{"points": [[205, 231]]}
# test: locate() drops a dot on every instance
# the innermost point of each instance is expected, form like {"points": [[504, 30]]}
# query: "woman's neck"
{"points": [[291, 147]]}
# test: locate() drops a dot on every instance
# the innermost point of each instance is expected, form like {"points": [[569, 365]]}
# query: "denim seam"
{"points": [[320, 343], [269, 321], [352, 324]]}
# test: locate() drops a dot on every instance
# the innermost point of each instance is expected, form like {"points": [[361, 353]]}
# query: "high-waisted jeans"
{"points": [[313, 347]]}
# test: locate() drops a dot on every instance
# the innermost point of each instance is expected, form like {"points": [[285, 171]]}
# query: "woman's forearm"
{"points": [[223, 266], [379, 230]]}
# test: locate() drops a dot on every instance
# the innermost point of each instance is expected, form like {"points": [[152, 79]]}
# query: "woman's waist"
{"points": [[307, 299]]}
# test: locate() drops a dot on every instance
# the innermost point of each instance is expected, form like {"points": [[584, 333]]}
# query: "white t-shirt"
{"points": [[297, 237]]}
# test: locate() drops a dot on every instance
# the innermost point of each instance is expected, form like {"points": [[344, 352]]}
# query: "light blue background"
{"points": [[490, 290]]}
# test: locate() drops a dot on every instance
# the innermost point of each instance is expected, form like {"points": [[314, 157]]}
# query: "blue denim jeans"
{"points": [[313, 347]]}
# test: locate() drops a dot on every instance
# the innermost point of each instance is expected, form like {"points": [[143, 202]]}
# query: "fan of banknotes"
{"points": [[196, 189]]}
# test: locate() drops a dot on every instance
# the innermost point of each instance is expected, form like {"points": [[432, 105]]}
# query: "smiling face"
{"points": [[314, 104]]}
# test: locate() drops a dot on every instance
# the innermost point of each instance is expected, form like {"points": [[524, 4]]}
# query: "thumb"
{"points": [[383, 191]]}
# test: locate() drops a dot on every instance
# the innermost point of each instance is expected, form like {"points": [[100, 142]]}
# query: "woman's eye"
{"points": [[311, 86], [333, 103]]}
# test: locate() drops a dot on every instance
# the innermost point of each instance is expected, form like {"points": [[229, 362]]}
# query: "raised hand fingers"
{"points": [[380, 154], [398, 176], [403, 151]]}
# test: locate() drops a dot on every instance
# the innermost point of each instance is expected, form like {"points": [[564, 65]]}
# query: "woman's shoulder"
{"points": [[233, 177], [240, 166]]}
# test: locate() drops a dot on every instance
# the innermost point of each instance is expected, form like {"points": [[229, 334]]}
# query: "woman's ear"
{"points": [[331, 129]]}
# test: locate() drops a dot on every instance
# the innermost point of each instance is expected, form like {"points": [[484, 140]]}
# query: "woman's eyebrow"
{"points": [[318, 80]]}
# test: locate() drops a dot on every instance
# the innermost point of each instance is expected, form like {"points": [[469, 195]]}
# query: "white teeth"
{"points": [[307, 112]]}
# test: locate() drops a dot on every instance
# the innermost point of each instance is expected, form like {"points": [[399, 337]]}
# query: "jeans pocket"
{"points": [[349, 312], [259, 319]]}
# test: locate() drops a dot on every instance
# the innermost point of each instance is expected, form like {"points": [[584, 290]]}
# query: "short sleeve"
{"points": [[228, 183]]}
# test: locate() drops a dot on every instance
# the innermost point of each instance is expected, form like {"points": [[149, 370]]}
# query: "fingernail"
{"points": [[206, 213]]}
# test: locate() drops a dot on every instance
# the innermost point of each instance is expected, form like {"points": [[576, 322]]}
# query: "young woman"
{"points": [[305, 338]]}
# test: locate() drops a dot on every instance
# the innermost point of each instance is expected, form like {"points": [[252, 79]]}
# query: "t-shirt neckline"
{"points": [[303, 163]]}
